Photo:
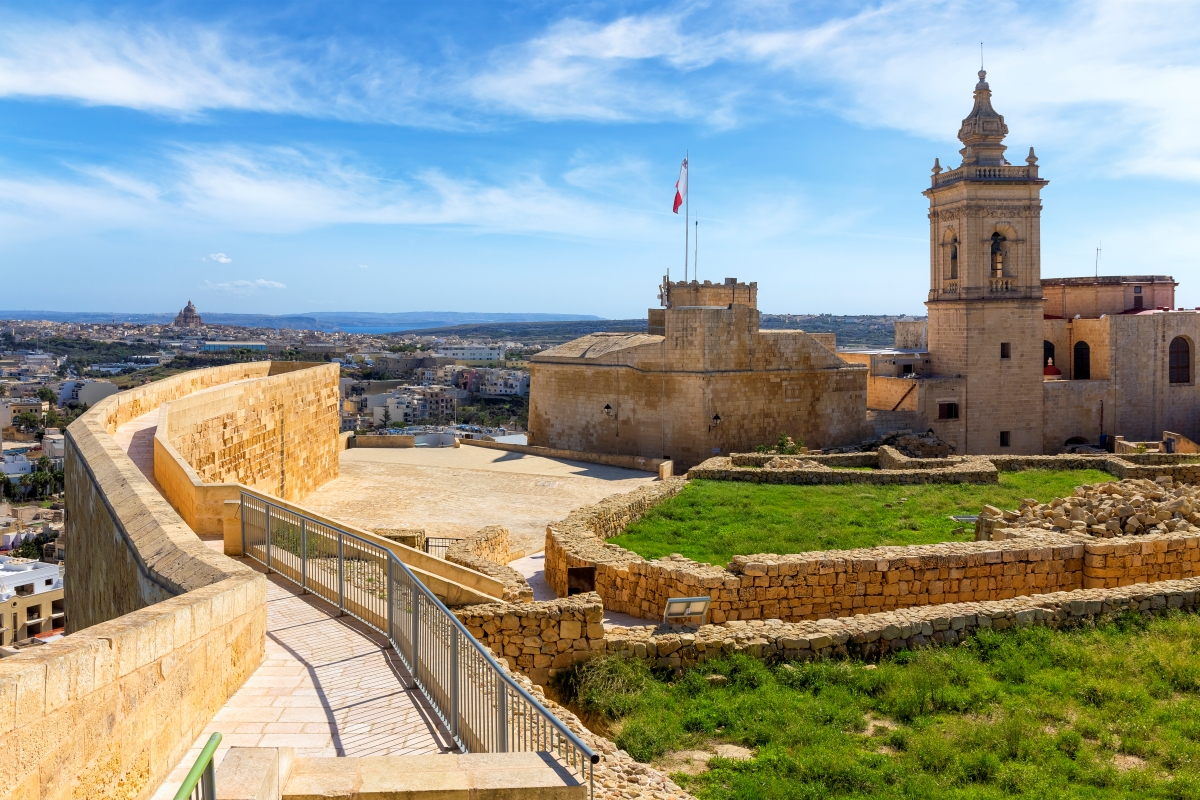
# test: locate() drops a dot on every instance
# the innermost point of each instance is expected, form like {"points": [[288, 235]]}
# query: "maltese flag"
{"points": [[680, 187]]}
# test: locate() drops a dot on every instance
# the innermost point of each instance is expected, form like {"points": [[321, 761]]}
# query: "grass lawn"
{"points": [[1112, 712], [714, 520]]}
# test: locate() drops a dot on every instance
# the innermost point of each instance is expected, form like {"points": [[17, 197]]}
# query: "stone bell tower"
{"points": [[985, 291]]}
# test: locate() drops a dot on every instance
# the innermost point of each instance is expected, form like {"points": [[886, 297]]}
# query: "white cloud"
{"points": [[1104, 80], [243, 287], [281, 190], [220, 258], [182, 70]]}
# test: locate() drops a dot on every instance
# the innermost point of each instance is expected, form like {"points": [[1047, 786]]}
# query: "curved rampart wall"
{"points": [[278, 435], [163, 630]]}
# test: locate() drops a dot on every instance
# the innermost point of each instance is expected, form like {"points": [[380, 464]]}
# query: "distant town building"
{"points": [[11, 409], [32, 596], [471, 352], [225, 347], [87, 392], [188, 318]]}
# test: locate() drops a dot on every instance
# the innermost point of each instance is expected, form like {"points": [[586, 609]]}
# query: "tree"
{"points": [[3, 388], [27, 419], [25, 482], [387, 417], [47, 394], [44, 464]]}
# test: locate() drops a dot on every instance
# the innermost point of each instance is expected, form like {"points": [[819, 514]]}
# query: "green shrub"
{"points": [[608, 686]]}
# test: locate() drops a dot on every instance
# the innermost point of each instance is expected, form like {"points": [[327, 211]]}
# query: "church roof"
{"points": [[597, 345]]}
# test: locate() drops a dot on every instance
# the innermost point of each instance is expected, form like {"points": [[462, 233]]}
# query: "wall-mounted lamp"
{"points": [[608, 411], [716, 420]]}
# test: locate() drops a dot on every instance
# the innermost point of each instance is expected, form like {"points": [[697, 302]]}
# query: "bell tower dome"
{"points": [[985, 284]]}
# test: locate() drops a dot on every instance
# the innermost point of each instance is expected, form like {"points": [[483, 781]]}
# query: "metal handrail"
{"points": [[481, 706], [201, 781]]}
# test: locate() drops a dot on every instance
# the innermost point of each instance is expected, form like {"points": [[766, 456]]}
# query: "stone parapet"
{"points": [[538, 638], [488, 551], [722, 468], [869, 636]]}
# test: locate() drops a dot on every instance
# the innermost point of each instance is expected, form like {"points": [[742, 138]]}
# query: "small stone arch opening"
{"points": [[1180, 361], [1082, 366], [950, 240]]}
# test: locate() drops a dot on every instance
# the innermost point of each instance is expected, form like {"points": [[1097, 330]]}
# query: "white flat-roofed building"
{"points": [[470, 352]]}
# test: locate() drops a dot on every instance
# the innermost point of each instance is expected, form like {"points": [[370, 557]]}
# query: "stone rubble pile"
{"points": [[793, 462], [1126, 508]]}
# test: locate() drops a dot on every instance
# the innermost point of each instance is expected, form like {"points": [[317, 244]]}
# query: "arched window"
{"points": [[997, 255], [954, 260], [1083, 362], [1181, 360], [1047, 353]]}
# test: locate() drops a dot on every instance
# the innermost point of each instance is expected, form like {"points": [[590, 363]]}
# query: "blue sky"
{"points": [[491, 156]]}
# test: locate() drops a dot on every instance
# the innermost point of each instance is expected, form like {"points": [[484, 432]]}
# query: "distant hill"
{"points": [[852, 331], [352, 321], [863, 330], [544, 333]]}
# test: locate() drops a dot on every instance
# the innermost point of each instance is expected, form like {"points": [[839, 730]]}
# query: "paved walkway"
{"points": [[455, 491], [136, 438], [329, 685]]}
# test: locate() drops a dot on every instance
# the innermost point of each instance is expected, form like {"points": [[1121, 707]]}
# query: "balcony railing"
{"points": [[996, 285], [950, 286], [1002, 173], [483, 708]]}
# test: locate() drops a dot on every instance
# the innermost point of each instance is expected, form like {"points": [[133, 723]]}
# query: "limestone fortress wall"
{"points": [[163, 629]]}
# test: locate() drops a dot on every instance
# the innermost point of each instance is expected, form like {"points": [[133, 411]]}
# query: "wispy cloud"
{"points": [[287, 189], [220, 258], [243, 287], [182, 70], [1096, 77]]}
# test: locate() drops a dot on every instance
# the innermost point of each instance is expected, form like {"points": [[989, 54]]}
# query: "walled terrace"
{"points": [[834, 584], [171, 638]]}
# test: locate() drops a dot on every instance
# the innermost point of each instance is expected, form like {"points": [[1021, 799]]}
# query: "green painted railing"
{"points": [[201, 782]]}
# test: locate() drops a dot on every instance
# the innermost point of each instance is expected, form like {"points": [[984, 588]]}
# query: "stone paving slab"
{"points": [[329, 686], [453, 492]]}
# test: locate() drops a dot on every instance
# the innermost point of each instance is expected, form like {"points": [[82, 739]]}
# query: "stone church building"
{"points": [[1006, 362]]}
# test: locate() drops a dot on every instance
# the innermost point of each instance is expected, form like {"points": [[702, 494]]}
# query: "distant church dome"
{"points": [[188, 318]]}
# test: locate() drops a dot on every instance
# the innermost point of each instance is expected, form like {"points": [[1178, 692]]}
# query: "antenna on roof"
{"points": [[1098, 261]]}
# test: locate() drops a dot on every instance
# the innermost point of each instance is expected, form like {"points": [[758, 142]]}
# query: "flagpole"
{"points": [[686, 215]]}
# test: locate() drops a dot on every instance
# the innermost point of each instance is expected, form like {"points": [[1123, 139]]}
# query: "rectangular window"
{"points": [[906, 369], [1005, 350], [1004, 438], [1137, 290], [947, 410]]}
